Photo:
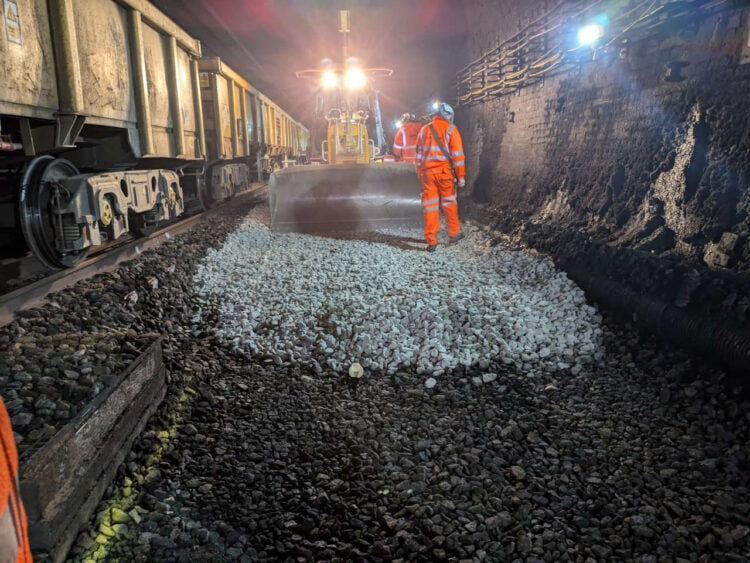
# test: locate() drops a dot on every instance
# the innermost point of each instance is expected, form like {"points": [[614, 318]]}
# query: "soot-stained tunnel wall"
{"points": [[635, 164]]}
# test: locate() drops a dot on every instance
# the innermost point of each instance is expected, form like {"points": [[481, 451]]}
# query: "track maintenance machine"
{"points": [[349, 188]]}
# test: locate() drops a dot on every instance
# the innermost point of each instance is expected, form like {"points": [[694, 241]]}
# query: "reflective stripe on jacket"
{"points": [[429, 154], [405, 142]]}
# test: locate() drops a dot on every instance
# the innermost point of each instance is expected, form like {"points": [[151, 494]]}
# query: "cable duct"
{"points": [[725, 344]]}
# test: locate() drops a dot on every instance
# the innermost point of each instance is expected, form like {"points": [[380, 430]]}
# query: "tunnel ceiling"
{"points": [[267, 41]]}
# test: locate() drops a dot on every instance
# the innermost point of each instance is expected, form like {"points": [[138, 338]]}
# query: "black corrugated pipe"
{"points": [[725, 344]]}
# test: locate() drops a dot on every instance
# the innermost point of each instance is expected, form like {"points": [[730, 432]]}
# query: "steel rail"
{"points": [[35, 293]]}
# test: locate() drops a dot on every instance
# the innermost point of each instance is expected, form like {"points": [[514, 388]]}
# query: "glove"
{"points": [[462, 182]]}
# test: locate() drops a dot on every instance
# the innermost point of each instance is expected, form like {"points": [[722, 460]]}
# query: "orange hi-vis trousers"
{"points": [[438, 188]]}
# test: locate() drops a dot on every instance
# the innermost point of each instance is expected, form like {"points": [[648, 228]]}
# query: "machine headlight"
{"points": [[329, 80], [355, 79]]}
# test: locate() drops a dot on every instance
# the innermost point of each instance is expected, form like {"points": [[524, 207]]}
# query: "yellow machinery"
{"points": [[347, 141], [349, 188]]}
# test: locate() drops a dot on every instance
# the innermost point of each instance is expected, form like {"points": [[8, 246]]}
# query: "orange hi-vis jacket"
{"points": [[405, 142], [14, 543], [430, 156]]}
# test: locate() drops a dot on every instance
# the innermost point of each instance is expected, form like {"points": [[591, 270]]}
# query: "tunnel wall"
{"points": [[614, 169]]}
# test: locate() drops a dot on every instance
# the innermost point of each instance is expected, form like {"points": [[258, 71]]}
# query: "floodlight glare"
{"points": [[354, 79], [590, 34], [329, 80], [435, 106], [398, 124]]}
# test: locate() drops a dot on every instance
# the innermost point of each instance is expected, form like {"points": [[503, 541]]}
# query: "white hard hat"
{"points": [[446, 111]]}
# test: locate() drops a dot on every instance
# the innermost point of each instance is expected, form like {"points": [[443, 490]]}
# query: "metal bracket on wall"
{"points": [[745, 53]]}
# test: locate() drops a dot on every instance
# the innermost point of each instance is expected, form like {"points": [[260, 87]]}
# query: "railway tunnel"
{"points": [[191, 375]]}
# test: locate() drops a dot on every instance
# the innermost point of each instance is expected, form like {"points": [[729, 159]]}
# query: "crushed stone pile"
{"points": [[328, 303]]}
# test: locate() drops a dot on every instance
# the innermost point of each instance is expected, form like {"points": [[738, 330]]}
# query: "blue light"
{"points": [[590, 34]]}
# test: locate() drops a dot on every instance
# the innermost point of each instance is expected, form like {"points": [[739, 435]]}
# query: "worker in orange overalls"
{"points": [[441, 167], [405, 141], [14, 542]]}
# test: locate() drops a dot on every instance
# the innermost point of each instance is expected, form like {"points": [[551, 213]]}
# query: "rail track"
{"points": [[34, 292]]}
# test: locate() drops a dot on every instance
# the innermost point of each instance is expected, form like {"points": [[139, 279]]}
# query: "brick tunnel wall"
{"points": [[611, 167]]}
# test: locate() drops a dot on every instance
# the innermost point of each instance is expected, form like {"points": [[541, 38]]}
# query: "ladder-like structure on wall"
{"points": [[548, 46]]}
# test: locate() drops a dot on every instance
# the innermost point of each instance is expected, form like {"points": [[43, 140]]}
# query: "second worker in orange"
{"points": [[405, 141]]}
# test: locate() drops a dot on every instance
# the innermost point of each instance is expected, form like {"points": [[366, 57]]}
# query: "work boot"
{"points": [[458, 237], [431, 247]]}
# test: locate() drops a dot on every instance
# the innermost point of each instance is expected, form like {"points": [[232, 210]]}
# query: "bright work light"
{"points": [[435, 105], [397, 124], [354, 79], [329, 80], [590, 34]]}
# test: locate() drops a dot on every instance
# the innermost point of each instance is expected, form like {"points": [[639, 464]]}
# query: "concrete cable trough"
{"points": [[62, 483]]}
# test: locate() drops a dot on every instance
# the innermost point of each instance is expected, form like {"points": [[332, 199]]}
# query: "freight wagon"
{"points": [[247, 134], [102, 127], [283, 141]]}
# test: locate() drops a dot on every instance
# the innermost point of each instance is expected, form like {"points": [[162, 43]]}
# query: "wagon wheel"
{"points": [[39, 194]]}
